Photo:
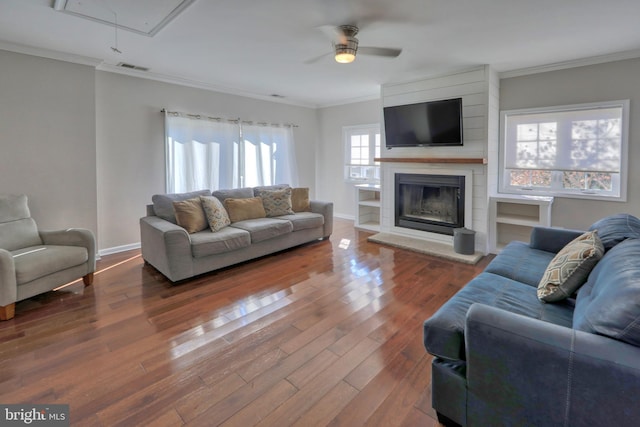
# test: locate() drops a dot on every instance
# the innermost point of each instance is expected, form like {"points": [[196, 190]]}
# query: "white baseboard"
{"points": [[344, 216], [117, 249]]}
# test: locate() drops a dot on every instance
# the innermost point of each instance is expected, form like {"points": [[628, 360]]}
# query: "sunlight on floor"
{"points": [[344, 244], [99, 271]]}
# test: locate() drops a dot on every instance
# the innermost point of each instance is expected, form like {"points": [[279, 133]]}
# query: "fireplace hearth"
{"points": [[426, 202]]}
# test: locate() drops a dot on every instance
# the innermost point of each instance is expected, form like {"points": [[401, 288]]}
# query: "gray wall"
{"points": [[130, 143], [47, 139], [330, 181], [87, 146], [602, 82]]}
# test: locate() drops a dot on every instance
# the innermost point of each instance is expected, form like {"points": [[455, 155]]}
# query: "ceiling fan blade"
{"points": [[379, 51], [317, 58]]}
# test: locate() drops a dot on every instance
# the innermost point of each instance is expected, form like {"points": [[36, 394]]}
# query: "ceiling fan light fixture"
{"points": [[345, 56], [346, 53]]}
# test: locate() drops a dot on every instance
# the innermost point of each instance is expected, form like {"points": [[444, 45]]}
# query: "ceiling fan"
{"points": [[345, 45]]}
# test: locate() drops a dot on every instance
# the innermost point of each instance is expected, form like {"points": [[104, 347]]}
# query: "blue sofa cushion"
{"points": [[616, 228], [444, 331], [519, 262], [609, 303]]}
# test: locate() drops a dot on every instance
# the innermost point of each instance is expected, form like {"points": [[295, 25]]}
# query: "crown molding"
{"points": [[593, 60], [349, 101], [50, 54], [100, 65], [150, 75]]}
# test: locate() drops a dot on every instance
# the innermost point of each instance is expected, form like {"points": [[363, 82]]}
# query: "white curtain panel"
{"points": [[269, 155], [200, 154]]}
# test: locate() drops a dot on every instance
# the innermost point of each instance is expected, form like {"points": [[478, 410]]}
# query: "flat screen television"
{"points": [[425, 124]]}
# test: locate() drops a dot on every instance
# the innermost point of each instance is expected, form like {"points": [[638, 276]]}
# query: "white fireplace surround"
{"points": [[387, 224]]}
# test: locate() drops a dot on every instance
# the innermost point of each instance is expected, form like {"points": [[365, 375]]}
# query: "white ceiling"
{"points": [[259, 48]]}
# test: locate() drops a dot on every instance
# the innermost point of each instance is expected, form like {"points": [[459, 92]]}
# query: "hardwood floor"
{"points": [[329, 333]]}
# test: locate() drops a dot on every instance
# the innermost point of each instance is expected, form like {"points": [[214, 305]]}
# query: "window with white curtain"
{"points": [[269, 155], [208, 153], [570, 151]]}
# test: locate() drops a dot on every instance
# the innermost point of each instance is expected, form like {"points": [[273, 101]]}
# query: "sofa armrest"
{"points": [[523, 371], [167, 247], [551, 239], [73, 237], [8, 285], [326, 209]]}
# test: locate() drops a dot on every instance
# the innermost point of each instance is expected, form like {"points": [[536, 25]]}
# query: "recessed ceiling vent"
{"points": [[132, 67]]}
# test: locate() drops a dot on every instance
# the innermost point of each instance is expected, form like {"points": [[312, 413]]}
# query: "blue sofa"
{"points": [[504, 358]]}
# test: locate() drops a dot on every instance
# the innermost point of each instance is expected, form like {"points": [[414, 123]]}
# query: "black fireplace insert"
{"points": [[432, 203]]}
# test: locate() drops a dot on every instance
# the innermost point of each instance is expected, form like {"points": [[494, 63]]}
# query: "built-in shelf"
{"points": [[467, 160], [367, 207], [514, 216]]}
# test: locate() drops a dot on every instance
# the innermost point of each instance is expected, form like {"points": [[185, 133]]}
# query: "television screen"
{"points": [[432, 123]]}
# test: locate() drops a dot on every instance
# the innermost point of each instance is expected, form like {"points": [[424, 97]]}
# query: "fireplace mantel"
{"points": [[467, 160]]}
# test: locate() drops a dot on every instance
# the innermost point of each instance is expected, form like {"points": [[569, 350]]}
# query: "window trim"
{"points": [[504, 188], [374, 128]]}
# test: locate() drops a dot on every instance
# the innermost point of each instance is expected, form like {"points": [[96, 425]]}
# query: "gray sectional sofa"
{"points": [[504, 358], [179, 255]]}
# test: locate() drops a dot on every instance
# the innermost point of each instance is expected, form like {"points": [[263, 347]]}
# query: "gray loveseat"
{"points": [[179, 255], [504, 358]]}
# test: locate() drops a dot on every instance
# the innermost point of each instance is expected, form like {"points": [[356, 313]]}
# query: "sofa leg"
{"points": [[87, 279], [8, 311]]}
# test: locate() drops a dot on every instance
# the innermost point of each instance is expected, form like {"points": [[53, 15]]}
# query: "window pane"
{"points": [[536, 145], [530, 178], [587, 181], [359, 149], [362, 145], [596, 145]]}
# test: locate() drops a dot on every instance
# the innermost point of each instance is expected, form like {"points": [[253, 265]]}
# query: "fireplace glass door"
{"points": [[432, 203]]}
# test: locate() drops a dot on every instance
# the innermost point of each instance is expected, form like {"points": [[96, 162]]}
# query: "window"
{"points": [[570, 151], [362, 145], [208, 153]]}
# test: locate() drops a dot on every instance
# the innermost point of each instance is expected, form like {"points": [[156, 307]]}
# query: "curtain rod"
{"points": [[220, 119]]}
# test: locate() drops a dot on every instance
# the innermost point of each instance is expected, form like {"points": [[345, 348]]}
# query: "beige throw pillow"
{"points": [[569, 269], [276, 202], [300, 200], [243, 209], [216, 214], [190, 215]]}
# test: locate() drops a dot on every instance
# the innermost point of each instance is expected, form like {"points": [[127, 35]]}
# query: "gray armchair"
{"points": [[33, 262]]}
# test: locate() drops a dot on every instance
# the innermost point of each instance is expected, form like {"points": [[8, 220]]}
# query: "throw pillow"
{"points": [[190, 215], [569, 269], [163, 203], [300, 200], [216, 214], [276, 202], [243, 209]]}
